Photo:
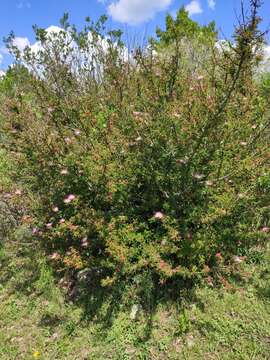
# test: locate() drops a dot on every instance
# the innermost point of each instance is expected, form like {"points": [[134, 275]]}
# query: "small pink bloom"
{"points": [[18, 192], [72, 227], [159, 215], [69, 198], [200, 77], [49, 225], [55, 256], [64, 172], [50, 109], [265, 229], [254, 127], [137, 113], [55, 209], [34, 230], [218, 255], [198, 176], [209, 281], [77, 132], [67, 140], [209, 183], [61, 221], [237, 259], [85, 242], [181, 161]]}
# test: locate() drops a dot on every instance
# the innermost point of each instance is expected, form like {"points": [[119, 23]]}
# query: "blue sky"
{"points": [[138, 17]]}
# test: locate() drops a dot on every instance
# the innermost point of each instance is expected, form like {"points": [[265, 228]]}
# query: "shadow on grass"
{"points": [[263, 292], [101, 306], [21, 271], [50, 320]]}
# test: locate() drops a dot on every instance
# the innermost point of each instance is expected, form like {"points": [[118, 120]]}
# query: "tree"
{"points": [[184, 28]]}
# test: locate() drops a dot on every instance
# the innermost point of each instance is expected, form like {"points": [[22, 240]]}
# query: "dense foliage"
{"points": [[151, 163]]}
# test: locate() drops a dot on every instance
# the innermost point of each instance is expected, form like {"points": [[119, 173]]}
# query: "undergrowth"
{"points": [[40, 320]]}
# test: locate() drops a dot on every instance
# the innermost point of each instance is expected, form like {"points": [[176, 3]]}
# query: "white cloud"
{"points": [[267, 51], [2, 73], [212, 4], [194, 7], [21, 42], [4, 50], [136, 11], [51, 32], [265, 64], [77, 59]]}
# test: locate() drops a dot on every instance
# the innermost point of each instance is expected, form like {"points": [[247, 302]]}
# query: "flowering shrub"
{"points": [[146, 163]]}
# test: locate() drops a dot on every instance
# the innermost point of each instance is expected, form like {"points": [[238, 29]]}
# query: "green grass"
{"points": [[38, 321]]}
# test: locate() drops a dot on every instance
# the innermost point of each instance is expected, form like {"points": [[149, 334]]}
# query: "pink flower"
{"points": [[198, 176], [159, 215], [254, 126], [55, 256], [209, 183], [55, 209], [18, 192], [137, 113], [77, 132], [49, 225], [85, 242], [237, 259], [218, 255], [61, 221], [181, 161], [200, 77], [67, 140], [64, 172], [50, 109], [209, 281], [265, 229], [69, 198], [34, 230]]}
